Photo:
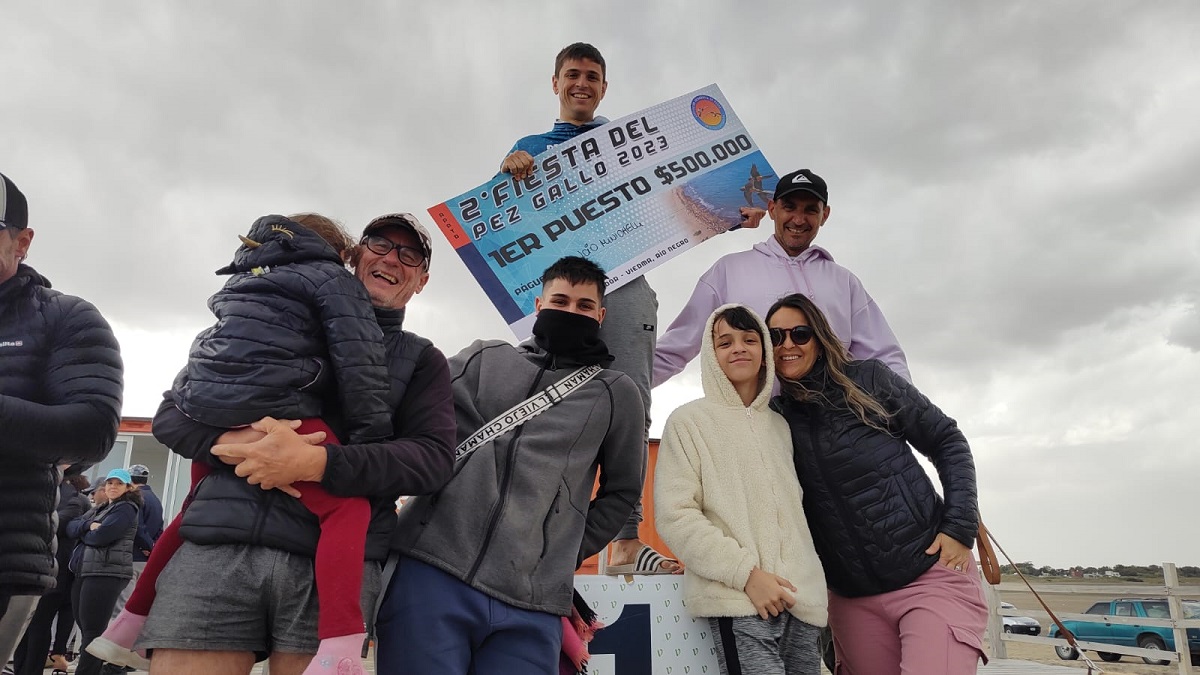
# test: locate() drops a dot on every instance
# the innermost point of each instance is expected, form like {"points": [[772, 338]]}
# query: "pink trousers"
{"points": [[932, 626]]}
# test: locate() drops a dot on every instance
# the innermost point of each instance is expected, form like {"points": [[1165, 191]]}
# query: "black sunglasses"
{"points": [[800, 335], [379, 245]]}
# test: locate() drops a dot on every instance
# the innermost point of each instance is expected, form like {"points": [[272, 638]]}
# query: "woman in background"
{"points": [[103, 561]]}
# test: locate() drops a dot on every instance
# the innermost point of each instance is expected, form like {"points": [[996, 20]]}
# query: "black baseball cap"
{"points": [[407, 221], [14, 210], [802, 181]]}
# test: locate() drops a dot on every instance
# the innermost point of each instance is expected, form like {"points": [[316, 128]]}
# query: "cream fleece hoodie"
{"points": [[726, 498]]}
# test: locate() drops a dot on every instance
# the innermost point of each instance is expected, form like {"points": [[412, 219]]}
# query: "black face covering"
{"points": [[571, 335]]}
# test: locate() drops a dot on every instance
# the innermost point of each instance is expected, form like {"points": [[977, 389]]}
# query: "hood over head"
{"points": [[277, 240], [717, 386]]}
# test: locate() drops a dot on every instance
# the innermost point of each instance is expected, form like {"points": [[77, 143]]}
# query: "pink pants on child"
{"points": [[932, 626]]}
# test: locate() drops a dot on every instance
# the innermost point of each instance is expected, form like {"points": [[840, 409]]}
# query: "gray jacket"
{"points": [[516, 521]]}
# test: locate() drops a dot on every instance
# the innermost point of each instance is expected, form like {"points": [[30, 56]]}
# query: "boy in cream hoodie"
{"points": [[728, 503]]}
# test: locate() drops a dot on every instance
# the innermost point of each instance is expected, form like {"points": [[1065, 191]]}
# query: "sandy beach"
{"points": [[702, 223]]}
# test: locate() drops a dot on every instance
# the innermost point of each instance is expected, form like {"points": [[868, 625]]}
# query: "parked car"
{"points": [[1020, 624], [1131, 635]]}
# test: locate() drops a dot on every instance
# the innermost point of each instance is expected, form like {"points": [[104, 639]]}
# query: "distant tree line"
{"points": [[1135, 571]]}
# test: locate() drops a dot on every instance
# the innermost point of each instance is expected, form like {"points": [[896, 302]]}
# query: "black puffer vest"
{"points": [[60, 399], [226, 509], [870, 505], [116, 559]]}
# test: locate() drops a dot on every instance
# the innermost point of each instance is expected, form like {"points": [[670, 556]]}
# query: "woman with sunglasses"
{"points": [[905, 595]]}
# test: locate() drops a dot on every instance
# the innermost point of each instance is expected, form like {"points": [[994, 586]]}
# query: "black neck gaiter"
{"points": [[572, 336]]}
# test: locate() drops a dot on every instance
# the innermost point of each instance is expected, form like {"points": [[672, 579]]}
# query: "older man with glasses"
{"points": [[242, 584]]}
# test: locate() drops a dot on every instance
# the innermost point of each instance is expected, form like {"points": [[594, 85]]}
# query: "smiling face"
{"points": [[793, 361], [390, 283], [739, 353], [563, 295], [797, 218], [580, 86], [14, 246]]}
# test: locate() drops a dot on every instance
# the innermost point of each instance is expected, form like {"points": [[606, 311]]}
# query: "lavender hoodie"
{"points": [[760, 276]]}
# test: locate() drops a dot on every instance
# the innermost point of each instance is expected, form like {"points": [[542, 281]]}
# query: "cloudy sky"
{"points": [[1015, 183]]}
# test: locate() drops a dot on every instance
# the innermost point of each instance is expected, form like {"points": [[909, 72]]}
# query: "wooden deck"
{"points": [[1012, 667], [996, 667]]}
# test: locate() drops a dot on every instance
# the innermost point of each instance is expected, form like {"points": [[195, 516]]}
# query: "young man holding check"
{"points": [[579, 81]]}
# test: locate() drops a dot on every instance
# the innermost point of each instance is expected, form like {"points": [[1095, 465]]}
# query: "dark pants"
{"points": [[430, 622], [30, 657], [93, 599]]}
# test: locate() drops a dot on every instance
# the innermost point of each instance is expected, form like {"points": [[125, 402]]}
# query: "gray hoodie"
{"points": [[516, 521]]}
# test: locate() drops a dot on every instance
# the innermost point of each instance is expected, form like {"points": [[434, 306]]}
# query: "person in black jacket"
{"points": [[102, 561], [905, 591], [31, 653], [295, 334], [60, 402], [241, 585]]}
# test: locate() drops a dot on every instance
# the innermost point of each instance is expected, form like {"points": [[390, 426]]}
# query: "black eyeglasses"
{"points": [[800, 335], [412, 257]]}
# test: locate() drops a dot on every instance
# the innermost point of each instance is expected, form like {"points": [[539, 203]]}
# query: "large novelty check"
{"points": [[629, 195]]}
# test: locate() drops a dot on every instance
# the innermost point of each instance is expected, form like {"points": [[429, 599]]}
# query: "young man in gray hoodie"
{"points": [[486, 565]]}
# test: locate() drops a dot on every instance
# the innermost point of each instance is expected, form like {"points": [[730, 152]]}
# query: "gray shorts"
{"points": [[240, 598]]}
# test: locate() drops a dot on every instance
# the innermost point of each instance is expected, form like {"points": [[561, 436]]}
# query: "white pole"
{"points": [[995, 625], [1171, 577]]}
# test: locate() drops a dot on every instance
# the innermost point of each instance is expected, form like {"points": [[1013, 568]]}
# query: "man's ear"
{"points": [[537, 304], [600, 317]]}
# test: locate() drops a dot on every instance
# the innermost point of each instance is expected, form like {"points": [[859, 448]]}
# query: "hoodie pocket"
{"points": [[550, 513]]}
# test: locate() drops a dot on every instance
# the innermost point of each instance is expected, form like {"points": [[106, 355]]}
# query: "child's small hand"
{"points": [[770, 593]]}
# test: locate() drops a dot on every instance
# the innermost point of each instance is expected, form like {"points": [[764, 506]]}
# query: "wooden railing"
{"points": [[1171, 590]]}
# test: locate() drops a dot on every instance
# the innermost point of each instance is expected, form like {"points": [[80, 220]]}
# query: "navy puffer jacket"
{"points": [[60, 401], [870, 505], [293, 327], [225, 509]]}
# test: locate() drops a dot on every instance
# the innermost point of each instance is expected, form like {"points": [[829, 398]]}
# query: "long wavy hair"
{"points": [[864, 406]]}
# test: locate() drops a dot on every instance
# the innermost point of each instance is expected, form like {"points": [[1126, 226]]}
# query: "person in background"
{"points": [[54, 609], [103, 561]]}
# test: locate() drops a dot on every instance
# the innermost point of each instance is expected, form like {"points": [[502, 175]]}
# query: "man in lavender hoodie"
{"points": [[785, 263]]}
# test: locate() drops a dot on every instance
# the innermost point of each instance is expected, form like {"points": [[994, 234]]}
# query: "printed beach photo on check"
{"points": [[629, 195]]}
